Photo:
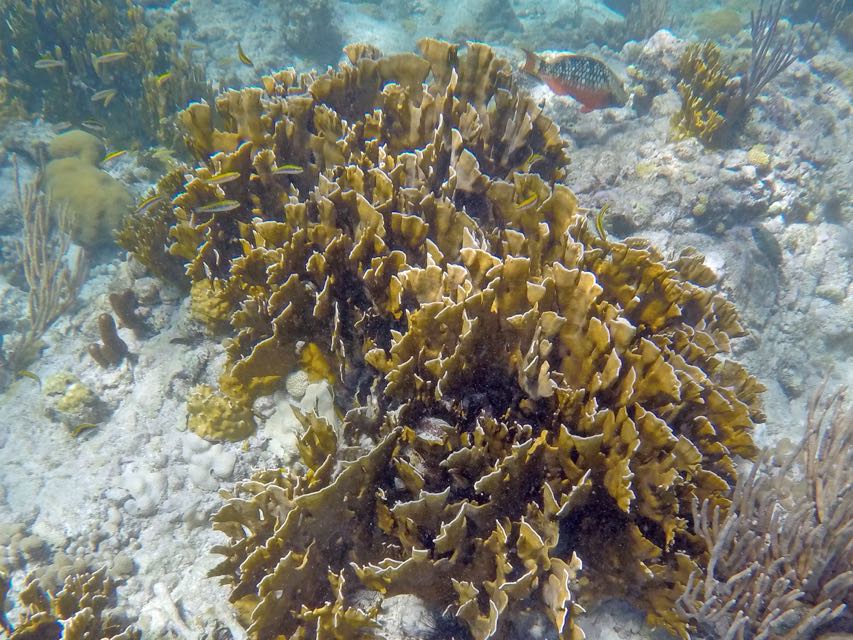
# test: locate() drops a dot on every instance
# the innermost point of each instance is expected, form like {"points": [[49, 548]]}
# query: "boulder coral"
{"points": [[529, 409], [96, 201]]}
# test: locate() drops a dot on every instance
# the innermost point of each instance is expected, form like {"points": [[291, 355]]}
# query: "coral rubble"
{"points": [[516, 389]]}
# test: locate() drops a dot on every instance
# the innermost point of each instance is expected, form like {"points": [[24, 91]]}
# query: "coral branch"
{"points": [[780, 564], [714, 103], [53, 285], [772, 53], [645, 17]]}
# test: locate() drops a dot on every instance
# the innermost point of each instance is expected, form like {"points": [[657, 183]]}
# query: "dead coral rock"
{"points": [[493, 20], [515, 388]]}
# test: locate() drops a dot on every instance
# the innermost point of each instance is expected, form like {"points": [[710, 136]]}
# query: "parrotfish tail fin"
{"points": [[532, 63], [620, 93]]}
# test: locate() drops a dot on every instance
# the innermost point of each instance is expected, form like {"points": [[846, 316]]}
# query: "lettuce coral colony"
{"points": [[515, 389], [80, 610]]}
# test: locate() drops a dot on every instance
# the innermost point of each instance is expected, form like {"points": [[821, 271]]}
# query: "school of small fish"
{"points": [[586, 79]]}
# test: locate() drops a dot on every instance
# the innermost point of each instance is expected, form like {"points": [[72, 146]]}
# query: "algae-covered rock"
{"points": [[72, 403], [96, 201], [758, 157]]}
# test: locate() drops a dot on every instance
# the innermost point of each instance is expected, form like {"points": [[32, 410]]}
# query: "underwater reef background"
{"points": [[346, 320]]}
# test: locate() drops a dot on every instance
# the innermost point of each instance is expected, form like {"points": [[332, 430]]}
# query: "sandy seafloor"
{"points": [[137, 492]]}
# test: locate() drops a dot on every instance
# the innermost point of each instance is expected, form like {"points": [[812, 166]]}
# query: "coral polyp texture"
{"points": [[529, 409], [705, 90]]}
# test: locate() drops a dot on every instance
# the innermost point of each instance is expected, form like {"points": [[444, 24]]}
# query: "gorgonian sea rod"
{"points": [[529, 408]]}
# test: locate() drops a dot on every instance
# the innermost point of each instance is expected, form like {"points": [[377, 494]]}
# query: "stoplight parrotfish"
{"points": [[586, 79]]}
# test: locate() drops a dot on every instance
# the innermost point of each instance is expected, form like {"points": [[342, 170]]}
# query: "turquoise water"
{"points": [[515, 320]]}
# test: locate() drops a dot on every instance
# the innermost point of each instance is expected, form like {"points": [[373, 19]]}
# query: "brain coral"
{"points": [[529, 409], [96, 201]]}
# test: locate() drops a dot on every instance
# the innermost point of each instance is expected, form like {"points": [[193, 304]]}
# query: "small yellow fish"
{"points": [[26, 373], [287, 170], [80, 428], [112, 56], [599, 222], [49, 63], [104, 94], [113, 155], [150, 203], [243, 57], [532, 159], [93, 125], [528, 201], [163, 77], [219, 207], [222, 178]]}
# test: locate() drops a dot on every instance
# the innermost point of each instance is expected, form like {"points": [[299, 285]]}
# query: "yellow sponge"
{"points": [[215, 416]]}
